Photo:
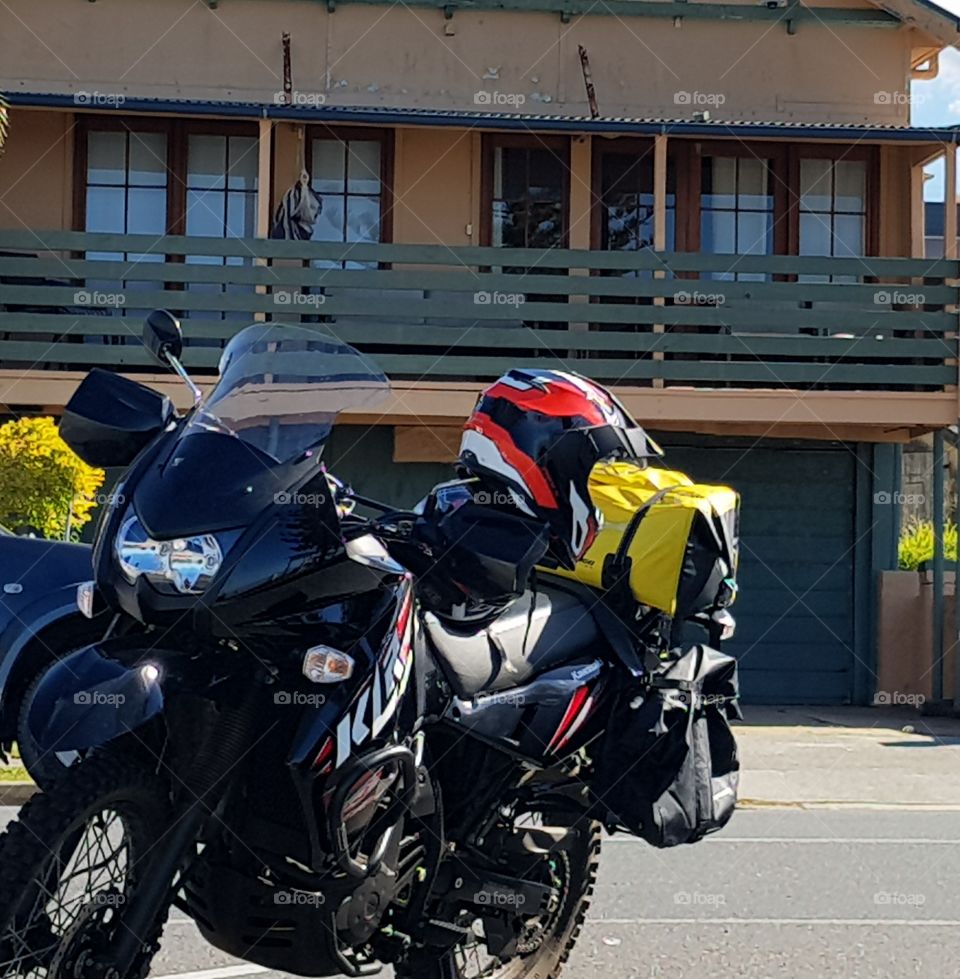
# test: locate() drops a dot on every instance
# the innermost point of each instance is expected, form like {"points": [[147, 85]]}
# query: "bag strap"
{"points": [[617, 565]]}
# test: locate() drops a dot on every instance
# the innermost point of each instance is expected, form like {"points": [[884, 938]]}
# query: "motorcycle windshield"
{"points": [[282, 387], [260, 431]]}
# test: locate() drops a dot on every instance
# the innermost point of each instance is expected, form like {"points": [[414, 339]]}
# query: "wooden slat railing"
{"points": [[70, 300]]}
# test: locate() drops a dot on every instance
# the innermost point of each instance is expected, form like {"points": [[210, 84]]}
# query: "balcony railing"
{"points": [[71, 300]]}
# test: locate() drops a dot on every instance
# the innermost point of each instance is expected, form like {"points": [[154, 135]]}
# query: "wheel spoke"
{"points": [[90, 861], [471, 958]]}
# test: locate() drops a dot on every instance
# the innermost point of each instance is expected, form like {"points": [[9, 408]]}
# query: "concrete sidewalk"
{"points": [[849, 756], [823, 757]]}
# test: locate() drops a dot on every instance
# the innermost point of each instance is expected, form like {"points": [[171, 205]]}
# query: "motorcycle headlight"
{"points": [[188, 564]]}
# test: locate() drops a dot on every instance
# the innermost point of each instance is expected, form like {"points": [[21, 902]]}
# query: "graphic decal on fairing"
{"points": [[378, 700]]}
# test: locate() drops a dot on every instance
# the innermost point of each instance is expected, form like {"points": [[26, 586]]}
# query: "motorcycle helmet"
{"points": [[533, 439]]}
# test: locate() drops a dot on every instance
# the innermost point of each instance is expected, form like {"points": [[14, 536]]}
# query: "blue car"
{"points": [[39, 623]]}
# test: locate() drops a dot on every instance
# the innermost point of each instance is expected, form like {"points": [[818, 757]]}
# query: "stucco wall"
{"points": [[436, 181], [381, 55], [905, 636], [36, 171], [435, 190]]}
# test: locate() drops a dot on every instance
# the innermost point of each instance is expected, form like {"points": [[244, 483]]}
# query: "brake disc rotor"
{"points": [[84, 948]]}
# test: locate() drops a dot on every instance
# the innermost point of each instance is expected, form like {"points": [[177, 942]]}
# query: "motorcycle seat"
{"points": [[537, 632]]}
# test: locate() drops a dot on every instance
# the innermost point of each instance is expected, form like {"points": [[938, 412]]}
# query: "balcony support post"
{"points": [[264, 177], [955, 638], [264, 192], [938, 466], [659, 224], [950, 202], [950, 252], [581, 214]]}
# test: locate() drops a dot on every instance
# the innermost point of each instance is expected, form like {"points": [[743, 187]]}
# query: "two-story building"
{"points": [[714, 207]]}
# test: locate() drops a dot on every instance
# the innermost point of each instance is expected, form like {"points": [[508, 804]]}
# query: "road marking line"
{"points": [[224, 972], [857, 922], [761, 805], [882, 840]]}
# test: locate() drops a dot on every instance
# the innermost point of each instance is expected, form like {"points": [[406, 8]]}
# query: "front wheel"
{"points": [[70, 862], [547, 939]]}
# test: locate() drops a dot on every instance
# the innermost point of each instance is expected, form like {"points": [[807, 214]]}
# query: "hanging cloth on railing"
{"points": [[297, 212]]}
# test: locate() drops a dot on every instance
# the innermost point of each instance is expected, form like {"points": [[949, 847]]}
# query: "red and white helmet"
{"points": [[535, 435]]}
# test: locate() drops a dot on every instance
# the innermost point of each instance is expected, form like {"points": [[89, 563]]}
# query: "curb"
{"points": [[940, 708], [16, 793]]}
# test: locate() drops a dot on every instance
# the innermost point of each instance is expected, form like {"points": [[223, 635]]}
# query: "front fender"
{"points": [[90, 698]]}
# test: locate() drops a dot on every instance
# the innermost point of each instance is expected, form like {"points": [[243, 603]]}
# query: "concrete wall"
{"points": [[399, 56], [905, 637]]}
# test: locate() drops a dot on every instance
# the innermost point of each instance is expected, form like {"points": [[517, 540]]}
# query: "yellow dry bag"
{"points": [[672, 542]]}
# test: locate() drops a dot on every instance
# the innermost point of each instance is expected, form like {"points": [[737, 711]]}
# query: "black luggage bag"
{"points": [[667, 770]]}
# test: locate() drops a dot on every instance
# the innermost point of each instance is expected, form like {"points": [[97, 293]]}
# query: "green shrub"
{"points": [[916, 544], [43, 485]]}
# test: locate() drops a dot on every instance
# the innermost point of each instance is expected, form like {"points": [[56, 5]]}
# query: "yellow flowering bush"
{"points": [[917, 541], [43, 485]]}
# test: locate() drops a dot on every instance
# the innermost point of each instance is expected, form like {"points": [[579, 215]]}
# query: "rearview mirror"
{"points": [[162, 336]]}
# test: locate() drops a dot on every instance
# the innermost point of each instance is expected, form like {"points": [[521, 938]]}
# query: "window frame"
{"points": [[678, 153], [183, 146], [387, 140], [688, 153], [81, 158], [177, 132], [491, 142], [773, 153], [868, 155]]}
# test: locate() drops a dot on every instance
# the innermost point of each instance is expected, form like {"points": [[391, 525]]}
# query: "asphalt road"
{"points": [[780, 893]]}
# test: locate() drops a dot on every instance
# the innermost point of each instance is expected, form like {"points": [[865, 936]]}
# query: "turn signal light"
{"points": [[324, 664], [85, 593]]}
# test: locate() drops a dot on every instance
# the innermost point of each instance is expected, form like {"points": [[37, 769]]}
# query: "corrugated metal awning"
{"points": [[530, 121]]}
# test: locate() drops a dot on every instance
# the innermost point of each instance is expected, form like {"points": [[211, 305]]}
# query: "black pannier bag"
{"points": [[667, 769]]}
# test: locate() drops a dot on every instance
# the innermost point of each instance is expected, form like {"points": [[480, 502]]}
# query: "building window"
{"points": [[528, 195], [833, 210], [220, 202], [221, 186], [736, 209], [525, 205], [349, 175], [126, 182], [158, 178], [126, 191], [145, 177], [627, 205]]}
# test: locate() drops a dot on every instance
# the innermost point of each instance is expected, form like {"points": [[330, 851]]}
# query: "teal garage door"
{"points": [[795, 610]]}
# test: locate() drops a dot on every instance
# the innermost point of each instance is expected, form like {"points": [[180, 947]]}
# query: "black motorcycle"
{"points": [[299, 751]]}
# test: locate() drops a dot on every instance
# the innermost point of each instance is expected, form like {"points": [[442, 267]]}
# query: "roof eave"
{"points": [[927, 17], [531, 122]]}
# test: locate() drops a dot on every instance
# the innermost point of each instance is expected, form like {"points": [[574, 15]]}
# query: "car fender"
{"points": [[24, 626]]}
